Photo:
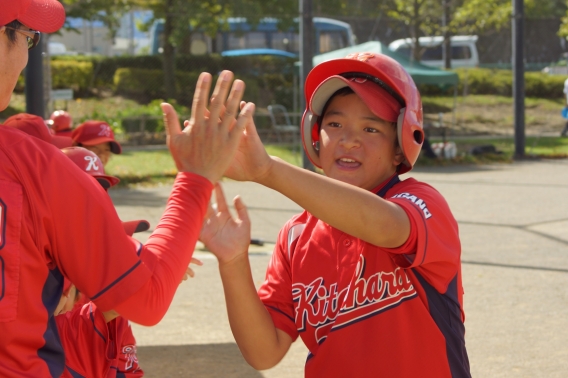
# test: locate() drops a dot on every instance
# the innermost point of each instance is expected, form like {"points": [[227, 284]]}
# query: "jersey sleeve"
{"points": [[86, 341], [276, 291], [433, 247], [80, 233]]}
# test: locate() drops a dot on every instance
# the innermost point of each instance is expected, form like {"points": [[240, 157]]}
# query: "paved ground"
{"points": [[513, 224]]}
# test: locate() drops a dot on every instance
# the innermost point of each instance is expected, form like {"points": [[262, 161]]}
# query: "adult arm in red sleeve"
{"points": [[178, 230]]}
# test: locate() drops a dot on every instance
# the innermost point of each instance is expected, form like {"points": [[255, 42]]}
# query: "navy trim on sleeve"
{"points": [[92, 317], [278, 310], [116, 281]]}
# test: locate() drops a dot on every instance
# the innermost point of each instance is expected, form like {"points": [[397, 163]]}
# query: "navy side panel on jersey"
{"points": [[52, 351], [444, 309]]}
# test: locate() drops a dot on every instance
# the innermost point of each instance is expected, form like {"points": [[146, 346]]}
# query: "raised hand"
{"points": [[226, 237], [251, 161], [208, 142]]}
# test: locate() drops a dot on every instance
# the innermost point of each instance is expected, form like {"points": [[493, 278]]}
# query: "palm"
{"points": [[225, 236]]}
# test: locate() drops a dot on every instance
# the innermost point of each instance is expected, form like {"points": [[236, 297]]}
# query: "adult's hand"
{"points": [[207, 144]]}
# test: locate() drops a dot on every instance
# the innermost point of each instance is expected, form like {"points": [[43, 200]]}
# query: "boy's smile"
{"points": [[357, 147]]}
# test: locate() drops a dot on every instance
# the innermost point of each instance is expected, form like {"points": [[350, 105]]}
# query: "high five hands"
{"points": [[207, 144]]}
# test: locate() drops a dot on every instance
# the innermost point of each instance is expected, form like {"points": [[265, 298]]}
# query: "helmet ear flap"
{"points": [[310, 137], [315, 133]]}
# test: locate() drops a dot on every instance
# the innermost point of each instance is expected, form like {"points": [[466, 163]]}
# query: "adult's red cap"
{"points": [[90, 133], [46, 16], [36, 127]]}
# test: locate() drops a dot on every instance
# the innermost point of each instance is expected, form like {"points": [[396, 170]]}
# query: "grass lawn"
{"points": [[148, 168]]}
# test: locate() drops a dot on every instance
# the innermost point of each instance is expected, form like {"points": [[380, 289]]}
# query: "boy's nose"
{"points": [[350, 139]]}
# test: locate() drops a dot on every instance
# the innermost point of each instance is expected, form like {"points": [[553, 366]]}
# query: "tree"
{"points": [[107, 11]]}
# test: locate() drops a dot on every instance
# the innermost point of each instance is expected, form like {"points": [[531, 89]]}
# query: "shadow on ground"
{"points": [[130, 197], [200, 361]]}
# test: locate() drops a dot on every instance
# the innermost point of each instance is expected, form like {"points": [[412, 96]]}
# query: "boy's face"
{"points": [[102, 150], [356, 146]]}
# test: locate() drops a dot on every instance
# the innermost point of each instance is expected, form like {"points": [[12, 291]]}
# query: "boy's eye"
{"points": [[371, 130], [333, 124]]}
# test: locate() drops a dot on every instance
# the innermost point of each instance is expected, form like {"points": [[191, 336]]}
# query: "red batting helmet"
{"points": [[91, 164], [60, 120], [395, 96]]}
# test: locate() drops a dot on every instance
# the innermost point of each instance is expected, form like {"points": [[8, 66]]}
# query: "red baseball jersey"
{"points": [[366, 311], [94, 348], [55, 222]]}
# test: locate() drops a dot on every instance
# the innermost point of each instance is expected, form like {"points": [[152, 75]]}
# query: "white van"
{"points": [[464, 50]]}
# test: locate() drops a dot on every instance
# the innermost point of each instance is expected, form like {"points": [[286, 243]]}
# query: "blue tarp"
{"points": [[273, 52]]}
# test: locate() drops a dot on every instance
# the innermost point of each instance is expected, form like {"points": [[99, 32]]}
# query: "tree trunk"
{"points": [[169, 54], [447, 35]]}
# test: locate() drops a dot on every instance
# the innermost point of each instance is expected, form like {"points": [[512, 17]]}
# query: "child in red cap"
{"points": [[369, 275], [96, 136], [35, 126], [60, 123]]}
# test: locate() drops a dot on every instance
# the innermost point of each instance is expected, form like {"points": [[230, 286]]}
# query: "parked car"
{"points": [[463, 47]]}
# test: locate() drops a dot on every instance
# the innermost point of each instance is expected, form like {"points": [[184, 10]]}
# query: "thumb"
{"points": [[171, 120], [242, 212]]}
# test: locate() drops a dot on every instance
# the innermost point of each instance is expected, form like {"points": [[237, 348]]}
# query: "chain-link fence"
{"points": [[126, 90]]}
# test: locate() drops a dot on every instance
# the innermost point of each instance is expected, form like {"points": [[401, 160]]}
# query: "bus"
{"points": [[330, 35]]}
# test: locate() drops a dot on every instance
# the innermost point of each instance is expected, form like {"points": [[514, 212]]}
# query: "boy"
{"points": [[369, 275], [96, 136], [60, 123], [35, 126]]}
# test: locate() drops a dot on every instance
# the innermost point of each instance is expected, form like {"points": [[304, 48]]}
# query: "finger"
{"points": [[245, 121], [199, 105], [190, 272], [196, 261], [232, 104], [242, 105], [242, 212], [210, 211], [171, 120], [220, 94], [220, 199]]}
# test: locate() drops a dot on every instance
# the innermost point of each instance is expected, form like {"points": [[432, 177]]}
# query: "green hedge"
{"points": [[77, 75], [104, 68], [484, 81], [72, 74], [145, 85]]}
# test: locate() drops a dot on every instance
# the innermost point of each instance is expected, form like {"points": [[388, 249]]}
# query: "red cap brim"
{"points": [[61, 141], [115, 148], [379, 101]]}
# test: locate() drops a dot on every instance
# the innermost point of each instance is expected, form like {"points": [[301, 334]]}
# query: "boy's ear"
{"points": [[398, 156]]}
